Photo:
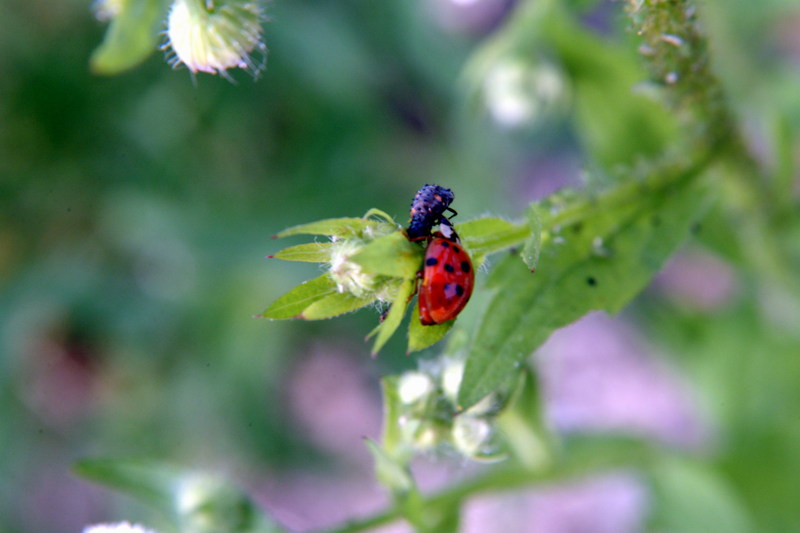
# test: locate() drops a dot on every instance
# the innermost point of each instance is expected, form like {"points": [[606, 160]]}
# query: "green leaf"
{"points": [[524, 427], [338, 227], [335, 304], [146, 481], [132, 36], [420, 337], [396, 313], [294, 302], [312, 252], [487, 235], [390, 472], [533, 244], [392, 435], [392, 255], [692, 498], [600, 262], [194, 501], [618, 121]]}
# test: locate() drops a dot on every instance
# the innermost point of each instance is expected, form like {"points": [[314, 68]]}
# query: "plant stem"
{"points": [[588, 457]]}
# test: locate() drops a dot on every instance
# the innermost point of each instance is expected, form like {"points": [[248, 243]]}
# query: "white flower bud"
{"points": [[414, 386], [213, 38], [121, 527], [349, 276]]}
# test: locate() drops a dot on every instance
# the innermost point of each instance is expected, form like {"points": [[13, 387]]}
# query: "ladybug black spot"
{"points": [[448, 267], [456, 249], [464, 267], [459, 290], [445, 244], [591, 281], [431, 261]]}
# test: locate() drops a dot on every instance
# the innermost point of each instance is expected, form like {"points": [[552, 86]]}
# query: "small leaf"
{"points": [[335, 304], [524, 426], [533, 244], [313, 252], [392, 434], [132, 36], [294, 302], [390, 472], [194, 501], [420, 337], [392, 255], [152, 483], [396, 313], [601, 262], [484, 236], [336, 227]]}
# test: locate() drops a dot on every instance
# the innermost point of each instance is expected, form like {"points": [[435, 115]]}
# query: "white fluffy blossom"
{"points": [[213, 36], [121, 527]]}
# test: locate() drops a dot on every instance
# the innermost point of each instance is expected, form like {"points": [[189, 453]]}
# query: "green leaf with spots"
{"points": [[420, 337], [601, 262], [392, 255], [294, 302], [133, 35], [395, 315], [312, 252], [333, 305], [338, 227], [484, 236]]}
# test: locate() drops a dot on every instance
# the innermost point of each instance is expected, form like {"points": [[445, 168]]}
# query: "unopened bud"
{"points": [[214, 36]]}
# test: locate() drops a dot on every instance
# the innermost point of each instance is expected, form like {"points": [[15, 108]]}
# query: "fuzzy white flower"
{"points": [[216, 36], [517, 93], [121, 527]]}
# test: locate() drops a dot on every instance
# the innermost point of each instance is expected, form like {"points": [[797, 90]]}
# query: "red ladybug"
{"points": [[427, 210], [447, 278]]}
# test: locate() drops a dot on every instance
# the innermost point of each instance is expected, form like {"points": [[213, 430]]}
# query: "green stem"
{"points": [[583, 460]]}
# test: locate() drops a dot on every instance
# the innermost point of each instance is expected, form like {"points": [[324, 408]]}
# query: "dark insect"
{"points": [[427, 210]]}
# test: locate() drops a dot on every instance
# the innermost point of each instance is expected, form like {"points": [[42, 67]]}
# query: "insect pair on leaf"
{"points": [[373, 259]]}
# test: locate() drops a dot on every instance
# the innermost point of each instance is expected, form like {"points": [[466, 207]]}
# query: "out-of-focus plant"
{"points": [[666, 147], [209, 36]]}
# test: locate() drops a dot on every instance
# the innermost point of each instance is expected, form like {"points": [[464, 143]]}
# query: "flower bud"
{"points": [[213, 38], [121, 527], [518, 92], [348, 275]]}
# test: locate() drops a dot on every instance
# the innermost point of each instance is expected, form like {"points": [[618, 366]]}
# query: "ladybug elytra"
{"points": [[447, 277]]}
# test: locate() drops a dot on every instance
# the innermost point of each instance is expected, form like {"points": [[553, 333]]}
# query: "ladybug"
{"points": [[427, 210], [447, 278]]}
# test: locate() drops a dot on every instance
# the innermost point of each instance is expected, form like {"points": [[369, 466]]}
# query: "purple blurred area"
{"points": [[599, 376]]}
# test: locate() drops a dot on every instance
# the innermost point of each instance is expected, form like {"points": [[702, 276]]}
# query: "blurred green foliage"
{"points": [[136, 211]]}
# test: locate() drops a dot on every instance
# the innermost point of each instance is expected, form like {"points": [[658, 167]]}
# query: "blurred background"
{"points": [[136, 212]]}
